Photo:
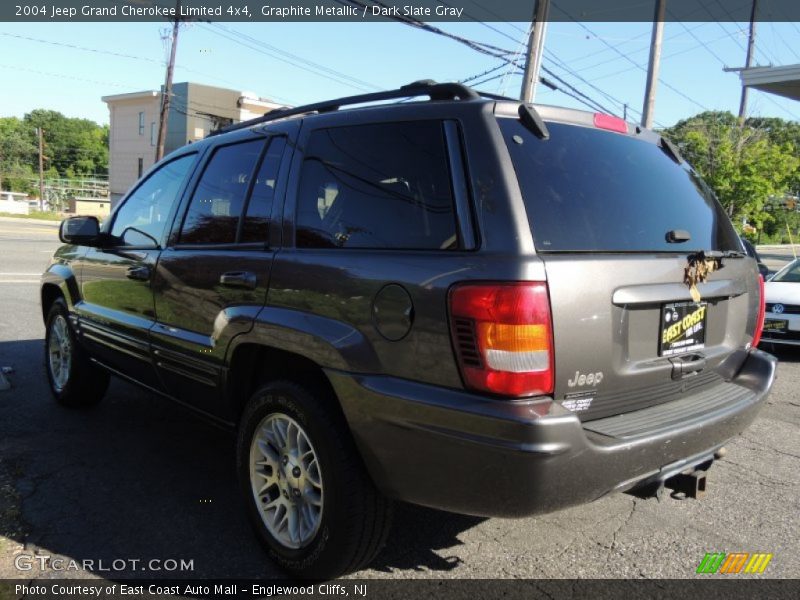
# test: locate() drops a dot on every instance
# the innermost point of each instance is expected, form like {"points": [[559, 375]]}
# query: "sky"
{"points": [[68, 67]]}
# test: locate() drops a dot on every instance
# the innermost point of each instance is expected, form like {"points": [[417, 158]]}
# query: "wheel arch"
{"points": [[58, 281], [253, 364]]}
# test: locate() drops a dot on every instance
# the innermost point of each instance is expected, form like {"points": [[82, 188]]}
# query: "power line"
{"points": [[742, 31], [552, 57], [702, 43], [82, 48], [610, 48], [559, 63], [634, 63], [591, 101], [49, 74], [497, 53], [769, 97], [521, 46], [295, 57], [112, 53], [486, 72], [295, 61]]}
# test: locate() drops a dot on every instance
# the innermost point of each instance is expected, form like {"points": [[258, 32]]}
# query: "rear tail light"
{"points": [[761, 310], [610, 123], [503, 336]]}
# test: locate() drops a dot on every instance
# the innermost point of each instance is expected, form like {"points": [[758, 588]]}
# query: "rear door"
{"points": [[212, 279], [602, 208]]}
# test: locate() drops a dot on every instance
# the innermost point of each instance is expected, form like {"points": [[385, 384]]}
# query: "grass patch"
{"points": [[36, 214]]}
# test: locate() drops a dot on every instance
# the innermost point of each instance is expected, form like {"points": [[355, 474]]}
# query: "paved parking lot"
{"points": [[137, 478]]}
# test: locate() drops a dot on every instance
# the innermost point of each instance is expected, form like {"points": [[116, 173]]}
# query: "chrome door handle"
{"points": [[238, 279], [140, 273]]}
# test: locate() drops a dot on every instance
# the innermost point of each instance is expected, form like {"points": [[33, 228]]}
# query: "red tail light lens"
{"points": [[610, 123], [761, 311], [503, 336]]}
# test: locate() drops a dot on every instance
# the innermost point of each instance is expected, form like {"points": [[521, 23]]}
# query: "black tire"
{"points": [[85, 384], [355, 518]]}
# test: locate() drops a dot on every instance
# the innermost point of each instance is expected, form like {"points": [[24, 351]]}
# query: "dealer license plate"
{"points": [[683, 327], [780, 325]]}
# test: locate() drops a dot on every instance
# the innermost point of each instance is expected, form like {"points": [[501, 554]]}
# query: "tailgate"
{"points": [[628, 334], [615, 215]]}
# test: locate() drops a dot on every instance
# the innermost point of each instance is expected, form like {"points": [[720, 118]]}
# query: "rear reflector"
{"points": [[761, 312], [610, 123], [503, 337]]}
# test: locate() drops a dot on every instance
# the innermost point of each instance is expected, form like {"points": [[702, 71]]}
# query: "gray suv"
{"points": [[421, 301]]}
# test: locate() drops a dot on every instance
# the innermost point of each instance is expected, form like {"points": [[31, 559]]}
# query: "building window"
{"points": [[141, 123], [141, 168], [153, 133]]}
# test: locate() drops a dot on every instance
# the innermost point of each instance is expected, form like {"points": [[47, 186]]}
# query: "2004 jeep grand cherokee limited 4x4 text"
{"points": [[420, 301]]}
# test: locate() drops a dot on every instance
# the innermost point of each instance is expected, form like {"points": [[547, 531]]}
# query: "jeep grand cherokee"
{"points": [[403, 300]]}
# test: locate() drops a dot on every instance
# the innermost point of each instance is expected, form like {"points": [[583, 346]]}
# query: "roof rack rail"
{"points": [[425, 87]]}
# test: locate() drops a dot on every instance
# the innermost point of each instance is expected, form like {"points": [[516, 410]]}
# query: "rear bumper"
{"points": [[465, 453]]}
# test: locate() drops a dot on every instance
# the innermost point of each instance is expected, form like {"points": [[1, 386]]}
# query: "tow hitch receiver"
{"points": [[691, 483]]}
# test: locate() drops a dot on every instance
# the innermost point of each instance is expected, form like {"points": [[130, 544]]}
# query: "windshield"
{"points": [[592, 190], [789, 274]]}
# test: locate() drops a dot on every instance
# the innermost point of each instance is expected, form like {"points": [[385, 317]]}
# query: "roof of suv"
{"points": [[426, 87], [456, 92]]}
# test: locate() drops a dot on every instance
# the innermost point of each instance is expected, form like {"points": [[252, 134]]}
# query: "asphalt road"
{"points": [[137, 478]]}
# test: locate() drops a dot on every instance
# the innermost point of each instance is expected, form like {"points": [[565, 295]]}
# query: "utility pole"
{"points": [[40, 132], [535, 49], [751, 46], [166, 96], [654, 65]]}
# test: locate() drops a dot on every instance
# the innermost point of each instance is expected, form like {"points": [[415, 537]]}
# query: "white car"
{"points": [[782, 318]]}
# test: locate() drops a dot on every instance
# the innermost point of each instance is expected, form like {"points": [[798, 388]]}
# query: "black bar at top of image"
{"points": [[389, 10]]}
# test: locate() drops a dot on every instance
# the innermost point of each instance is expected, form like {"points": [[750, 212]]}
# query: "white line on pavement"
{"points": [[36, 281]]}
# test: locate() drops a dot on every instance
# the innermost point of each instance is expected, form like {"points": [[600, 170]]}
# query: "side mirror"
{"points": [[83, 231]]}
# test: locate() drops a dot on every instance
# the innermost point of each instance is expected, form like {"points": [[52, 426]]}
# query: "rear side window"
{"points": [[218, 199], [385, 185], [259, 207], [591, 190]]}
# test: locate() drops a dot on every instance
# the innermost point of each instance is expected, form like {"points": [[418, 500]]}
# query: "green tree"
{"points": [[17, 151], [745, 165], [77, 144]]}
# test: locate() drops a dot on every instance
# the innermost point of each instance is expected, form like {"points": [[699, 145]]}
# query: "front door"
{"points": [[117, 310], [212, 279]]}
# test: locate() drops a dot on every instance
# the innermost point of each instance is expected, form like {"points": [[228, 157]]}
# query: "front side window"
{"points": [[218, 200], [142, 219], [384, 185]]}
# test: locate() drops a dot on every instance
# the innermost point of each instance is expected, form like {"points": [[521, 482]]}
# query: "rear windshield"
{"points": [[591, 190]]}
